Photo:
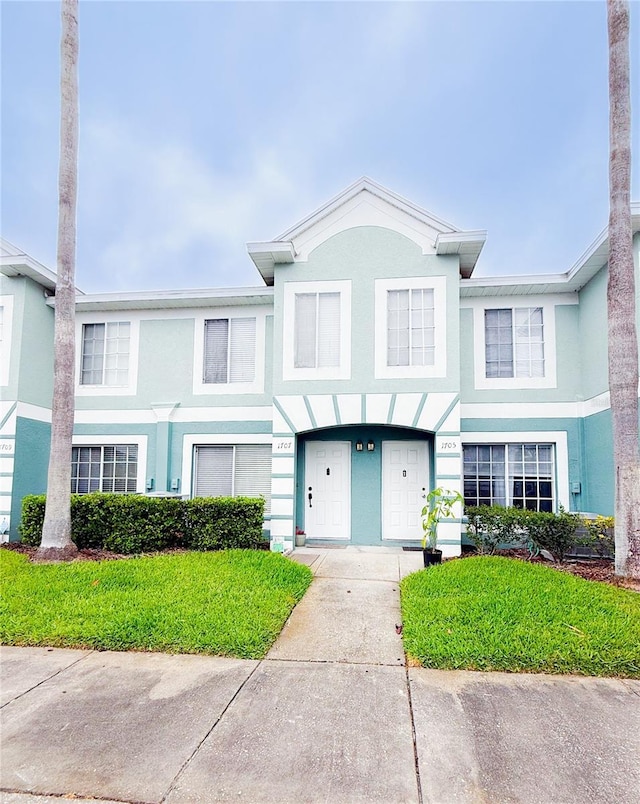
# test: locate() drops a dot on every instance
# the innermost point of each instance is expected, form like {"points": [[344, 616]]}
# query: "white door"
{"points": [[405, 481], [327, 490]]}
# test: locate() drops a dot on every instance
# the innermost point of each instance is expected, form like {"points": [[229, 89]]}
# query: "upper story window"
{"points": [[514, 342], [229, 350], [410, 327], [105, 354], [6, 320], [317, 330]]}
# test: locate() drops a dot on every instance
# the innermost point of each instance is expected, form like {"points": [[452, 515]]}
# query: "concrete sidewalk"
{"points": [[331, 715]]}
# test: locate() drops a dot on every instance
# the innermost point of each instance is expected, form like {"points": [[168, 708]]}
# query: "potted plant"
{"points": [[439, 506]]}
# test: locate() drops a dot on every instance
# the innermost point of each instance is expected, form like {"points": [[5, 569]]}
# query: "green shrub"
{"points": [[124, 523], [214, 523], [492, 526], [143, 524], [553, 532]]}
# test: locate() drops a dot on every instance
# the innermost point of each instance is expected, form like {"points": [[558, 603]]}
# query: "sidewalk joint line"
{"points": [[413, 734], [48, 678], [65, 796], [187, 761]]}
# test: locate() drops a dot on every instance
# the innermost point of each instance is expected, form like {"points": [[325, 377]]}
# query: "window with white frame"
{"points": [[229, 350], [6, 321], [105, 353], [410, 327], [317, 330], [233, 470], [520, 475], [514, 342], [107, 468]]}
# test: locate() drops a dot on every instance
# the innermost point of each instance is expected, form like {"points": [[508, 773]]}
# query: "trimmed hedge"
{"points": [[493, 527], [124, 523]]}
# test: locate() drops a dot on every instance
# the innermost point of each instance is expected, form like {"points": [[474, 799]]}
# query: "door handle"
{"points": [[310, 497]]}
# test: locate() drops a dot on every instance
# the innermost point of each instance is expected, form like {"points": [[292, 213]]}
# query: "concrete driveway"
{"points": [[331, 715]]}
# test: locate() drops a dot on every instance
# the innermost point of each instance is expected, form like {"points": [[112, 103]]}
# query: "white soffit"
{"points": [[14, 262]]}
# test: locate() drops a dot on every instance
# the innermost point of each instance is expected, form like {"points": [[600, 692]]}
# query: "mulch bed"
{"points": [[591, 569]]}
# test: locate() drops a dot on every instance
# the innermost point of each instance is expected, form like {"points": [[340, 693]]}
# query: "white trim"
{"points": [[439, 286], [341, 372], [100, 440], [6, 303], [203, 439], [182, 415], [25, 410], [557, 437], [548, 305], [100, 317], [520, 410], [255, 387]]}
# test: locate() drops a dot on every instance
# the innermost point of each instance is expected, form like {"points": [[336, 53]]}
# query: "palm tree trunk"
{"points": [[56, 541], [621, 300]]}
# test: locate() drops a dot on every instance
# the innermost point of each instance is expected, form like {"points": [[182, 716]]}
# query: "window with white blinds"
{"points": [[229, 350], [514, 342], [317, 330], [241, 470]]}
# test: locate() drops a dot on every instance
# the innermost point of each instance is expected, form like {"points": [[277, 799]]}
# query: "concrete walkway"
{"points": [[331, 715]]}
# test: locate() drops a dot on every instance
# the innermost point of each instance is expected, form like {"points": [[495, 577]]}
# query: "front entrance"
{"points": [[327, 493], [405, 483]]}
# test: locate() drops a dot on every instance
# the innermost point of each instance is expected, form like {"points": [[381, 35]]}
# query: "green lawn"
{"points": [[492, 613], [231, 603]]}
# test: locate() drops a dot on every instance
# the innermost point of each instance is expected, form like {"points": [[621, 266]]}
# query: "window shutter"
{"points": [[216, 340], [253, 472], [305, 331], [214, 471], [328, 330], [242, 352]]}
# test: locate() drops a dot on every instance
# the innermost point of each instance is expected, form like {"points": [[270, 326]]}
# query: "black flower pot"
{"points": [[431, 556]]}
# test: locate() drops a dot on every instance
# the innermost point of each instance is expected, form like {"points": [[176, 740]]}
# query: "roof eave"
{"points": [[467, 245], [266, 255]]}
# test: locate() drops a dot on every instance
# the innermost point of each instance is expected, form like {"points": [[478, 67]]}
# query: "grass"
{"points": [[231, 603], [492, 613]]}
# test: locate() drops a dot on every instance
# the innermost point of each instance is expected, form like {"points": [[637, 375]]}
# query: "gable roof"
{"points": [[367, 203], [14, 262]]}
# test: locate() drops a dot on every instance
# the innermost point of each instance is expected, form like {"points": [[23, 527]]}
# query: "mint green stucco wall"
{"points": [[366, 475], [599, 474], [30, 466], [362, 255], [593, 336]]}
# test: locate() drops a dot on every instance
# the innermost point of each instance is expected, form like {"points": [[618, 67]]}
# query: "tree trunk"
{"points": [[621, 300], [56, 541]]}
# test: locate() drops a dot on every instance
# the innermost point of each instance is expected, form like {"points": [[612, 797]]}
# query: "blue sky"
{"points": [[206, 125]]}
